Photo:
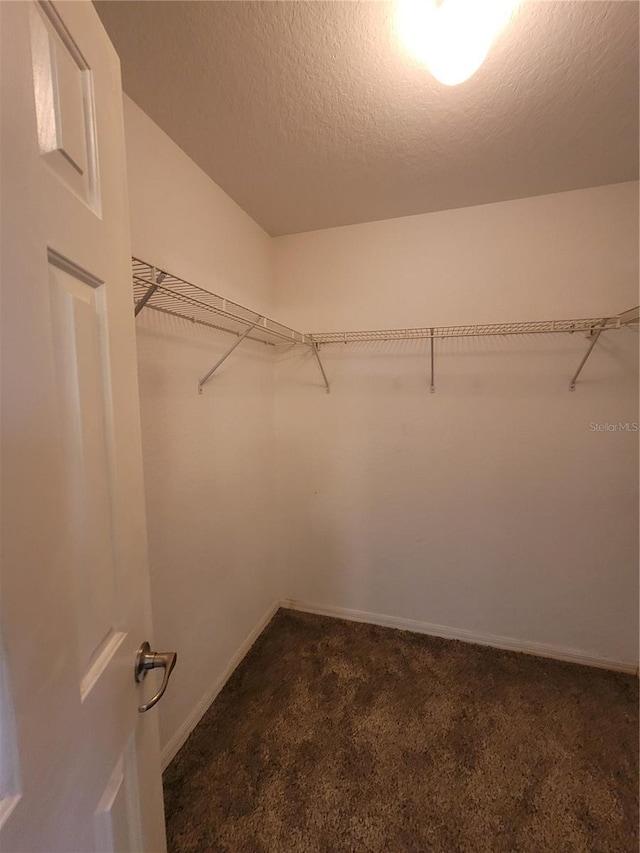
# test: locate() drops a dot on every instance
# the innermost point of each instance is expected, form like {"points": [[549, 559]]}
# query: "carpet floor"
{"points": [[338, 736]]}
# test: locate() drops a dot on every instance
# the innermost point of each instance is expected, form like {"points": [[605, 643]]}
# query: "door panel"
{"points": [[75, 600], [79, 337], [65, 110], [117, 818], [9, 777]]}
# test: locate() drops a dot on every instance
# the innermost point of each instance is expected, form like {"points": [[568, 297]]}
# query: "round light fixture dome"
{"points": [[451, 37]]}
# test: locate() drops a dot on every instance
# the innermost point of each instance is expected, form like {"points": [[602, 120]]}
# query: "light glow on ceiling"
{"points": [[451, 37]]}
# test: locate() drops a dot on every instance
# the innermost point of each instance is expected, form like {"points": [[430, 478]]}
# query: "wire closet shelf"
{"points": [[161, 291], [164, 292], [172, 295], [472, 330]]}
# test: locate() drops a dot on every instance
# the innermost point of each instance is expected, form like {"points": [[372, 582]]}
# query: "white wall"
{"points": [[489, 507], [208, 459]]}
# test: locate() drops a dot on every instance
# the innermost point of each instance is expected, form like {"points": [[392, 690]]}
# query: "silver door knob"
{"points": [[146, 660]]}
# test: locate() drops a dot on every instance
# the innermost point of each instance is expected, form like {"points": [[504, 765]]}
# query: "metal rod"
{"points": [[433, 382], [599, 331], [315, 349], [631, 316], [156, 279], [208, 375], [143, 300]]}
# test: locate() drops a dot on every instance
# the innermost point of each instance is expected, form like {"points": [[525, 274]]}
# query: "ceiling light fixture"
{"points": [[451, 37]]}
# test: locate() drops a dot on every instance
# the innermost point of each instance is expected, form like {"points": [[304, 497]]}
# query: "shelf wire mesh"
{"points": [[180, 298], [473, 330], [175, 296]]}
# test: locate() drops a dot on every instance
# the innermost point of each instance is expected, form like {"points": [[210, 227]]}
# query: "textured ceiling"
{"points": [[310, 114]]}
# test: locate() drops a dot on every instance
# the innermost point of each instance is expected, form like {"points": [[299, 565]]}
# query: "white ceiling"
{"points": [[311, 115]]}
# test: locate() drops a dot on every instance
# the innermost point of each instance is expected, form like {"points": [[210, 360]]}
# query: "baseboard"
{"points": [[171, 749], [507, 643]]}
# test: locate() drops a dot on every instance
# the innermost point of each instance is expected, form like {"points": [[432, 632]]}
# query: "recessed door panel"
{"points": [[9, 760], [63, 90], [80, 340], [116, 818]]}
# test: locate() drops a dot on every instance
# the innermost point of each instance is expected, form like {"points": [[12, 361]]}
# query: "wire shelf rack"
{"points": [[590, 324], [161, 291]]}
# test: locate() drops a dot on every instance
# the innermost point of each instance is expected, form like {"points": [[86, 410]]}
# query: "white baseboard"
{"points": [[170, 750], [507, 643]]}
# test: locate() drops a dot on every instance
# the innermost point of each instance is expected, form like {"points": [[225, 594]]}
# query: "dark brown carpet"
{"points": [[336, 736]]}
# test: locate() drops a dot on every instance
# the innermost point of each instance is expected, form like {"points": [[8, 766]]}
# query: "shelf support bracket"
{"points": [[316, 352], [208, 375], [432, 386], [144, 299], [594, 334], [156, 279]]}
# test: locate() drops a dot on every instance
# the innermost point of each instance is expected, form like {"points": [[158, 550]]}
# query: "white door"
{"points": [[79, 765]]}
